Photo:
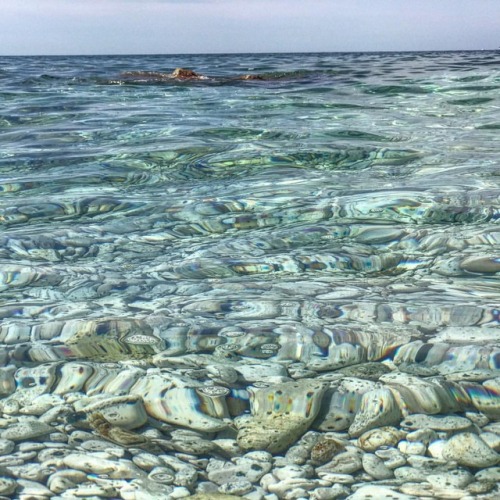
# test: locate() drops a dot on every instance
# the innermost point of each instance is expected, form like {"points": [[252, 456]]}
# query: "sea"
{"points": [[333, 219]]}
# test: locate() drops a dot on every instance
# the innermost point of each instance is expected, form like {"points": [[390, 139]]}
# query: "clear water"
{"points": [[342, 190]]}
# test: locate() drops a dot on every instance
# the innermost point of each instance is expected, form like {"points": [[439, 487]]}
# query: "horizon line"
{"points": [[250, 53]]}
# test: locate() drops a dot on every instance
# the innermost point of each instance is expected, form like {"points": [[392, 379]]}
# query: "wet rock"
{"points": [[6, 446], [470, 450], [371, 492], [280, 415], [7, 486], [376, 467], [347, 462], [28, 429], [374, 439], [378, 409], [450, 423]]}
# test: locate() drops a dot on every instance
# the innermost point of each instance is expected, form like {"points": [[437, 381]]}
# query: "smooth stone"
{"points": [[213, 496], [162, 474], [329, 493], [373, 492], [294, 488], [180, 492], [435, 449], [409, 448], [491, 439], [238, 487], [378, 408], [343, 463], [325, 449], [424, 436], [376, 467], [374, 439], [477, 418], [7, 486], [32, 472], [437, 423], [147, 461], [33, 488], [458, 478], [229, 447], [280, 415], [6, 446], [470, 450], [186, 476], [25, 430], [491, 474], [90, 462], [391, 457], [58, 483], [409, 474], [292, 471], [336, 478]]}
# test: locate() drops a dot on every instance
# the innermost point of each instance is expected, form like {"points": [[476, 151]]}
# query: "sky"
{"points": [[53, 27]]}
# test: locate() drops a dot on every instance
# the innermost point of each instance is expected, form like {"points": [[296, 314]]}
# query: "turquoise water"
{"points": [[343, 196]]}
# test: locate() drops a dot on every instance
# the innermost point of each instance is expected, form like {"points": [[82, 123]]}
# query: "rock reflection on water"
{"points": [[226, 287]]}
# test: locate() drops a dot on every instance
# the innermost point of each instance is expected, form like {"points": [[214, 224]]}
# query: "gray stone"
{"points": [[437, 423], [458, 478], [470, 450], [343, 463], [373, 492], [375, 466], [7, 486], [6, 446], [25, 430], [238, 487]]}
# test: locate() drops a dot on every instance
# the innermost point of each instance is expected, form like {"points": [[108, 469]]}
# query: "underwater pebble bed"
{"points": [[284, 287]]}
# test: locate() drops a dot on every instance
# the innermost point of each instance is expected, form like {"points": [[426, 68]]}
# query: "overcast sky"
{"points": [[204, 26]]}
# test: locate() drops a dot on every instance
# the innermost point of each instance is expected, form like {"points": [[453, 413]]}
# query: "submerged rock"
{"points": [[280, 415]]}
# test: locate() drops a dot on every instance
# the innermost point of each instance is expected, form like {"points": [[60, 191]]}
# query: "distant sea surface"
{"points": [[336, 201]]}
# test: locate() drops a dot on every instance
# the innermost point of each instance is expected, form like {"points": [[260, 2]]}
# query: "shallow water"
{"points": [[345, 199]]}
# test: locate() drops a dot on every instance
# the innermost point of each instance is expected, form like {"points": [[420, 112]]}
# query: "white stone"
{"points": [[491, 474], [375, 466], [6, 446], [25, 430], [373, 492], [7, 486], [330, 493], [392, 457], [343, 463], [470, 450], [409, 448], [458, 478], [438, 423], [238, 487], [376, 438]]}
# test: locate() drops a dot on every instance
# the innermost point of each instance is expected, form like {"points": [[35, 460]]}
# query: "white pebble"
{"points": [[470, 450]]}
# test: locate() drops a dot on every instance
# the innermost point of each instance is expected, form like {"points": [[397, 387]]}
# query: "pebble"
{"points": [[325, 449], [372, 492], [343, 463], [458, 478], [376, 467], [163, 475], [392, 457], [7, 486], [147, 461], [470, 450], [25, 430], [331, 493], [491, 474], [491, 439], [374, 439], [33, 488], [437, 423], [378, 409], [6, 446], [409, 448], [238, 487]]}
